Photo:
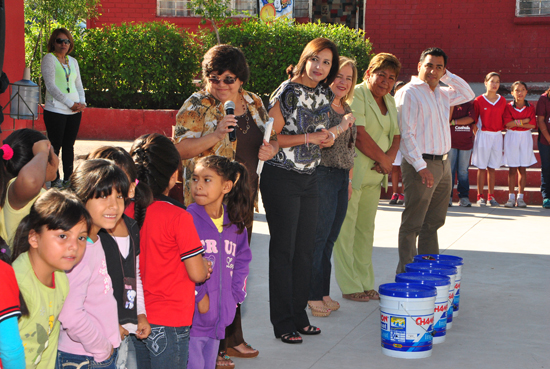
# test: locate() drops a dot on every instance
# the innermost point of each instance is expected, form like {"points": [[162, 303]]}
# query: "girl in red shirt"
{"points": [[487, 153], [519, 119]]}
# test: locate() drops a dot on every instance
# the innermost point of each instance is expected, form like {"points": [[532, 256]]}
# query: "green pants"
{"points": [[353, 249]]}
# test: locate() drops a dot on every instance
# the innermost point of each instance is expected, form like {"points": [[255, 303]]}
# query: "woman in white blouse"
{"points": [[65, 98]]}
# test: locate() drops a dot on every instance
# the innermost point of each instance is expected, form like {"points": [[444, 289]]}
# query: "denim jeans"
{"points": [[168, 346], [333, 204], [67, 360], [544, 151], [460, 161], [138, 354]]}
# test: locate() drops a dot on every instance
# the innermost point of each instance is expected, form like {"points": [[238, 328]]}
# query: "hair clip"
{"points": [[8, 152], [3, 251], [137, 181]]}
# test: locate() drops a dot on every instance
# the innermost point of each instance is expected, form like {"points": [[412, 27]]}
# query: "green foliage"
{"points": [[138, 66], [218, 12], [271, 47]]}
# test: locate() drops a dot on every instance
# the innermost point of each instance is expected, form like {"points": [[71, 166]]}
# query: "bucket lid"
{"points": [[407, 290], [433, 268], [427, 279], [443, 259], [25, 83]]}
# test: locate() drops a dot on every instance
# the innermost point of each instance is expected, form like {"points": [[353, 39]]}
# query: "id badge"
{"points": [[130, 293]]}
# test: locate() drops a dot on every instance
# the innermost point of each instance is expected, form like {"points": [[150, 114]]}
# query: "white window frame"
{"points": [[253, 13], [542, 12]]}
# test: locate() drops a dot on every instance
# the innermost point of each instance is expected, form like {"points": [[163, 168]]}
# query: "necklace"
{"points": [[67, 70], [245, 109], [338, 106]]}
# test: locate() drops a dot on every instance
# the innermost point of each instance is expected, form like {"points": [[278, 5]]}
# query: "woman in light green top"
{"points": [[27, 162], [376, 147]]}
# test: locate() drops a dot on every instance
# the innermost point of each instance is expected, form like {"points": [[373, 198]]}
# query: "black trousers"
{"points": [[291, 203], [62, 131]]}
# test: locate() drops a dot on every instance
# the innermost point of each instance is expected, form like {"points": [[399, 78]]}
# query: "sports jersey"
{"points": [[511, 113], [488, 115]]}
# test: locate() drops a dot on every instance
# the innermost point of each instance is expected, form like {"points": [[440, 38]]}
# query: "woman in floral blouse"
{"points": [[202, 129]]}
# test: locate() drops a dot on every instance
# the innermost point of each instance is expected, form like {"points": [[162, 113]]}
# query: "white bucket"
{"points": [[440, 269], [442, 284], [406, 319], [445, 259]]}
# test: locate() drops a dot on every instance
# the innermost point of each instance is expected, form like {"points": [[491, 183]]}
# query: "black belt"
{"points": [[434, 157]]}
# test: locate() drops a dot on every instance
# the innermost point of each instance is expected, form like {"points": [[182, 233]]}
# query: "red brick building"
{"points": [[509, 36]]}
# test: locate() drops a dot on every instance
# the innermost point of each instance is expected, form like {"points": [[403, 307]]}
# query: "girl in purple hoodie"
{"points": [[221, 210]]}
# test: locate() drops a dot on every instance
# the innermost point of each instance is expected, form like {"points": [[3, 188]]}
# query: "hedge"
{"points": [[152, 65], [271, 47], [138, 66]]}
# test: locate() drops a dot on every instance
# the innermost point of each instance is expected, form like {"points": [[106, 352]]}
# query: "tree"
{"points": [[216, 11]]}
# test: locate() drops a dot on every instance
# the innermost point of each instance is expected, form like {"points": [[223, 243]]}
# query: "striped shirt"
{"points": [[423, 116]]}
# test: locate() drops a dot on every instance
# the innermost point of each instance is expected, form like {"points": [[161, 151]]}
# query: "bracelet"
{"points": [[333, 135], [453, 122], [350, 180], [337, 129], [307, 140]]}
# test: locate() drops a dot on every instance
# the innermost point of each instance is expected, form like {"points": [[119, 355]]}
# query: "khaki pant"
{"points": [[425, 210]]}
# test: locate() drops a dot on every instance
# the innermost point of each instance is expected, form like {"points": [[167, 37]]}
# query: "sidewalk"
{"points": [[503, 321]]}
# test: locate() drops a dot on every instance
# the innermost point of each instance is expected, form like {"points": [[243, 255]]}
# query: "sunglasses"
{"points": [[62, 41], [227, 80]]}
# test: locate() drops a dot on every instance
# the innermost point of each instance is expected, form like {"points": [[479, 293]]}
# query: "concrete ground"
{"points": [[503, 321]]}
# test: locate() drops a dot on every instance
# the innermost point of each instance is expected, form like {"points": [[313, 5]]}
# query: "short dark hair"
{"points": [[434, 51], [221, 58], [55, 34], [94, 178]]}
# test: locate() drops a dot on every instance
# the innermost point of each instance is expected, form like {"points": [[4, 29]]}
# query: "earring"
{"points": [[240, 88]]}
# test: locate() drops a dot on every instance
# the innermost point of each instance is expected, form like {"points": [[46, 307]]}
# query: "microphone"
{"points": [[229, 107]]}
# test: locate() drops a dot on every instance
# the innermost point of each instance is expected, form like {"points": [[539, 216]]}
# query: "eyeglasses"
{"points": [[62, 41], [227, 80]]}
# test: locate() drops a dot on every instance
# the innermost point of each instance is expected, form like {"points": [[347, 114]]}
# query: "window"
{"points": [[182, 8], [525, 8]]}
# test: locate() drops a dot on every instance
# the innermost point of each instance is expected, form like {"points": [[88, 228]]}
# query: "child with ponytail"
{"points": [[27, 162], [220, 212], [48, 241], [171, 259], [122, 247]]}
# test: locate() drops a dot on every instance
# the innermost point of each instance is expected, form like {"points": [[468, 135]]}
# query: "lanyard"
{"points": [[67, 72]]}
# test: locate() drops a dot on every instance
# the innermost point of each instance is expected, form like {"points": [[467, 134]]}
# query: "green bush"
{"points": [[271, 48], [138, 66]]}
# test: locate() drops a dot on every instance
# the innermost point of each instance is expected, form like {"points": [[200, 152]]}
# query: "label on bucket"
{"points": [[456, 301], [440, 319], [450, 308], [406, 333]]}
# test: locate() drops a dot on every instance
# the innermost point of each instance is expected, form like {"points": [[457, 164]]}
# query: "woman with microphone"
{"points": [[203, 127]]}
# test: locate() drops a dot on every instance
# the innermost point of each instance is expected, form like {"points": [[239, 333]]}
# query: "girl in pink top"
{"points": [[90, 334]]}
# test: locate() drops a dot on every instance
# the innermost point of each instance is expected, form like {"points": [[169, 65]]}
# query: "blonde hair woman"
{"points": [[333, 180]]}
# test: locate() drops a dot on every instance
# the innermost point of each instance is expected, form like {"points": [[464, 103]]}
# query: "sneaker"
{"points": [[481, 202], [465, 202], [401, 199], [521, 203], [493, 202], [58, 183], [546, 203], [450, 202], [510, 203], [394, 199]]}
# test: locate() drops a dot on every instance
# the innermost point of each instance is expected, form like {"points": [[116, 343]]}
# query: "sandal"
{"points": [[287, 337], [232, 351], [357, 296], [318, 311], [224, 362], [332, 305], [372, 294], [310, 330]]}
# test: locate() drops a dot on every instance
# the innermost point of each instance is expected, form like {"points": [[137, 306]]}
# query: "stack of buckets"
{"points": [[418, 310]]}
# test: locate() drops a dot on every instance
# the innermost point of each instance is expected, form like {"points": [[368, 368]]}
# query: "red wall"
{"points": [[478, 36], [14, 57], [118, 11]]}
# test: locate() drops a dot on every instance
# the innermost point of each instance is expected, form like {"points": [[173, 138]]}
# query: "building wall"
{"points": [[118, 11], [478, 36]]}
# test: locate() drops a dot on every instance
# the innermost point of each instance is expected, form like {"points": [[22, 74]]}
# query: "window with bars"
{"points": [[183, 8], [525, 8]]}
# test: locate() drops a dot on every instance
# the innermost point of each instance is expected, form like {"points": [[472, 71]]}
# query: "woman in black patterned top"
{"points": [[300, 107]]}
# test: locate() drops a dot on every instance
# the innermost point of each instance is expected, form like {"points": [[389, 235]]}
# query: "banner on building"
{"points": [[270, 9]]}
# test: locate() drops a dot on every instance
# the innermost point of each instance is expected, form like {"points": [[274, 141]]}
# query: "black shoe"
{"points": [[311, 330], [287, 337]]}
